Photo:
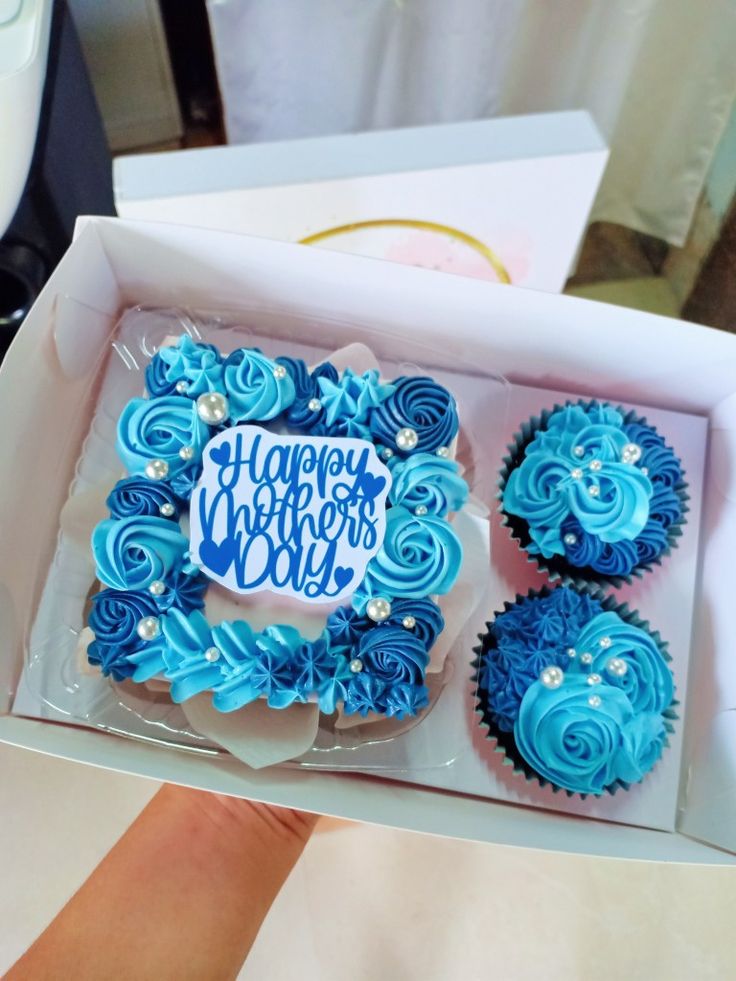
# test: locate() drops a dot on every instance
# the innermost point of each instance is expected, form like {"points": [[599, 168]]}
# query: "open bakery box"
{"points": [[518, 351]]}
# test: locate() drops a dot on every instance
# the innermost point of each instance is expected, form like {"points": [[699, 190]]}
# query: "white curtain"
{"points": [[659, 77]]}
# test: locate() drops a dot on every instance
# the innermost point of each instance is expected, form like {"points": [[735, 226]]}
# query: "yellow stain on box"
{"points": [[428, 226]]}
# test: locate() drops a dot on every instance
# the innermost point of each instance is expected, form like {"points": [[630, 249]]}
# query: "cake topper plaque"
{"points": [[295, 515]]}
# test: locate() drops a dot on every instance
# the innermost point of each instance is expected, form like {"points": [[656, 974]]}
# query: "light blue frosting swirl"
{"points": [[159, 428], [419, 557], [264, 668], [199, 365], [429, 481], [254, 392], [581, 449], [188, 636], [648, 680], [577, 746], [642, 743], [236, 642], [130, 553], [334, 688], [349, 401]]}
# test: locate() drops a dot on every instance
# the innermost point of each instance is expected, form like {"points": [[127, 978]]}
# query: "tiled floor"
{"points": [[612, 252], [369, 903], [617, 265], [651, 293]]}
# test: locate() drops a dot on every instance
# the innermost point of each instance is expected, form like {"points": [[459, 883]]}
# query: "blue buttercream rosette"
{"points": [[149, 619], [575, 690], [592, 493]]}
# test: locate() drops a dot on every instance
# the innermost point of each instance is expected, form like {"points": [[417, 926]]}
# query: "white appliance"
{"points": [[54, 164]]}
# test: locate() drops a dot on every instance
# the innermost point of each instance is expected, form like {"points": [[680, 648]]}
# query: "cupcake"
{"points": [[575, 690], [592, 493]]}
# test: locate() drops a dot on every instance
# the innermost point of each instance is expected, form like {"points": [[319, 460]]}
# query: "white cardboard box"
{"points": [[521, 187], [553, 342]]}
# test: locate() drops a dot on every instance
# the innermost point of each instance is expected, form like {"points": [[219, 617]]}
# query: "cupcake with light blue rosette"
{"points": [[575, 690], [592, 493]]}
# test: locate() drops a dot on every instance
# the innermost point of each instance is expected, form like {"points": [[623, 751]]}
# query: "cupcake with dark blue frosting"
{"points": [[593, 493], [575, 690]]}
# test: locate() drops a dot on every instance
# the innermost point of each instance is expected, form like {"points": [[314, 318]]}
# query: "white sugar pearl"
{"points": [[167, 509], [387, 453], [314, 405], [576, 473], [279, 372], [594, 701], [148, 628], [594, 491], [617, 667], [605, 642], [409, 623], [378, 609], [443, 451], [571, 652], [356, 665], [595, 465], [212, 654], [181, 387], [570, 538], [594, 679], [212, 408], [420, 510], [586, 658], [186, 452], [157, 588], [406, 438], [157, 469], [552, 677], [578, 451], [631, 453]]}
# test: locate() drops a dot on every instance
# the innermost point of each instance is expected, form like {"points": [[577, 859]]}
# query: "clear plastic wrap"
{"points": [[56, 671]]}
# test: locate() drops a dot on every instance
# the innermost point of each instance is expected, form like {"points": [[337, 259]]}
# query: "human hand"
{"points": [[181, 895]]}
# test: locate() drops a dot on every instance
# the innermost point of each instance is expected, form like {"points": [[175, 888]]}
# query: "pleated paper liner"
{"points": [[558, 568], [505, 743]]}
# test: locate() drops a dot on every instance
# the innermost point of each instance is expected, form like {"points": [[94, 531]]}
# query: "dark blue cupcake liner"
{"points": [[557, 568], [505, 744]]}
